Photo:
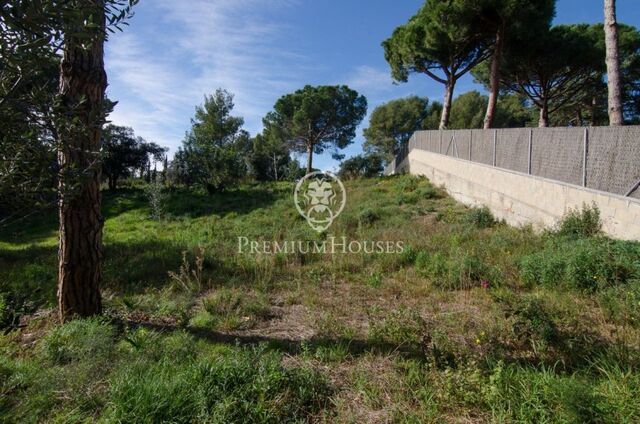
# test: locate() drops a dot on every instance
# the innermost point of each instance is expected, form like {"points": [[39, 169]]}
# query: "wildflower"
{"points": [[484, 284]]}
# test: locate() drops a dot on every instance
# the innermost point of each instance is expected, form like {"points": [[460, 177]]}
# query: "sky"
{"points": [[174, 52]]}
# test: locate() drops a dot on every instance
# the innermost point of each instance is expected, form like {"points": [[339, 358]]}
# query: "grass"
{"points": [[473, 321]]}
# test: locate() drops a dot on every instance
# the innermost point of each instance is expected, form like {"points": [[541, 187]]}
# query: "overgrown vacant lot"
{"points": [[474, 322]]}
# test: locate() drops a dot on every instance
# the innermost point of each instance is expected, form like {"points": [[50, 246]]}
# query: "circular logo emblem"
{"points": [[320, 197]]}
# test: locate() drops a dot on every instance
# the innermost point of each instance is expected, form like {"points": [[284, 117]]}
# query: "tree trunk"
{"points": [[543, 120], [613, 63], [309, 159], [82, 85], [275, 167], [113, 182], [494, 80], [446, 107]]}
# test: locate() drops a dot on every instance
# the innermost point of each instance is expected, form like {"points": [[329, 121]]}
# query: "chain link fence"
{"points": [[601, 158]]}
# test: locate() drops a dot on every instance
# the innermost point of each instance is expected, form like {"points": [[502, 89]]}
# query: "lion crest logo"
{"points": [[320, 197]]}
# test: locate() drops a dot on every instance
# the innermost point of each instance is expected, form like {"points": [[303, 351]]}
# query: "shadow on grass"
{"points": [[352, 346], [188, 203]]}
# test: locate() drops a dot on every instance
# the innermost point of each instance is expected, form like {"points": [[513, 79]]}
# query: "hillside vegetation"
{"points": [[474, 321]]}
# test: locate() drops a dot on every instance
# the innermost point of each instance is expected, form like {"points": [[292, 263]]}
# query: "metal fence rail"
{"points": [[601, 158]]}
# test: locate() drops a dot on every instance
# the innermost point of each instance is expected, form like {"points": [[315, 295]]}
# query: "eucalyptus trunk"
{"points": [[82, 85], [613, 63]]}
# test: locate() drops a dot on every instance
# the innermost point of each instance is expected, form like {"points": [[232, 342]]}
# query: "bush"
{"points": [[585, 222], [480, 217], [78, 340], [456, 271], [533, 323], [368, 216], [586, 264], [366, 166]]}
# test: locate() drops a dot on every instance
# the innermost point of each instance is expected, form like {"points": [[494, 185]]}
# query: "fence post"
{"points": [[530, 151], [470, 142], [495, 145], [585, 149]]}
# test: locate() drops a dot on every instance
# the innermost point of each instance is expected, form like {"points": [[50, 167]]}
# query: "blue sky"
{"points": [[176, 51]]}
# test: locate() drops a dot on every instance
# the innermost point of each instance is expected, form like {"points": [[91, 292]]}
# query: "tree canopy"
{"points": [[444, 40], [392, 124], [209, 155], [314, 119], [123, 153]]}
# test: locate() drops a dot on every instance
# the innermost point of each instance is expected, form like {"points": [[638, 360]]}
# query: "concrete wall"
{"points": [[520, 198]]}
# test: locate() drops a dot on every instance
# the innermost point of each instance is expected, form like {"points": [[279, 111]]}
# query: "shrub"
{"points": [[402, 326], [368, 216], [78, 340], [583, 222], [458, 270], [480, 217], [533, 323], [157, 199], [586, 264]]}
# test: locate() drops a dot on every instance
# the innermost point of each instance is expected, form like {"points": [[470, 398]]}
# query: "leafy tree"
{"points": [[510, 22], [392, 124], [27, 135], [444, 40], [468, 111], [368, 166], [614, 83], [315, 118], [211, 153], [432, 120], [553, 71], [77, 31], [269, 157], [123, 153]]}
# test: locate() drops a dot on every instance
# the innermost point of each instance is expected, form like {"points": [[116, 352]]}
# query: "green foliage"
{"points": [[533, 323], [583, 222], [402, 326], [124, 153], [270, 159], [212, 151], [367, 166], [587, 264], [78, 340], [555, 69], [480, 217], [248, 387], [444, 40], [456, 270], [392, 124], [313, 119], [157, 198], [232, 309], [467, 110]]}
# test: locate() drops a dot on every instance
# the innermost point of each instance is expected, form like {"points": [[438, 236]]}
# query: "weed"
{"points": [[480, 217], [583, 222], [189, 278]]}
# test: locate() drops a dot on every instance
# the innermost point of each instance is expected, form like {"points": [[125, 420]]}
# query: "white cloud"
{"points": [[371, 81], [198, 46]]}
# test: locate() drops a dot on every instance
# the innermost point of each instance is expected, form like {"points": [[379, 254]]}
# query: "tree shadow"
{"points": [[183, 202], [352, 346]]}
